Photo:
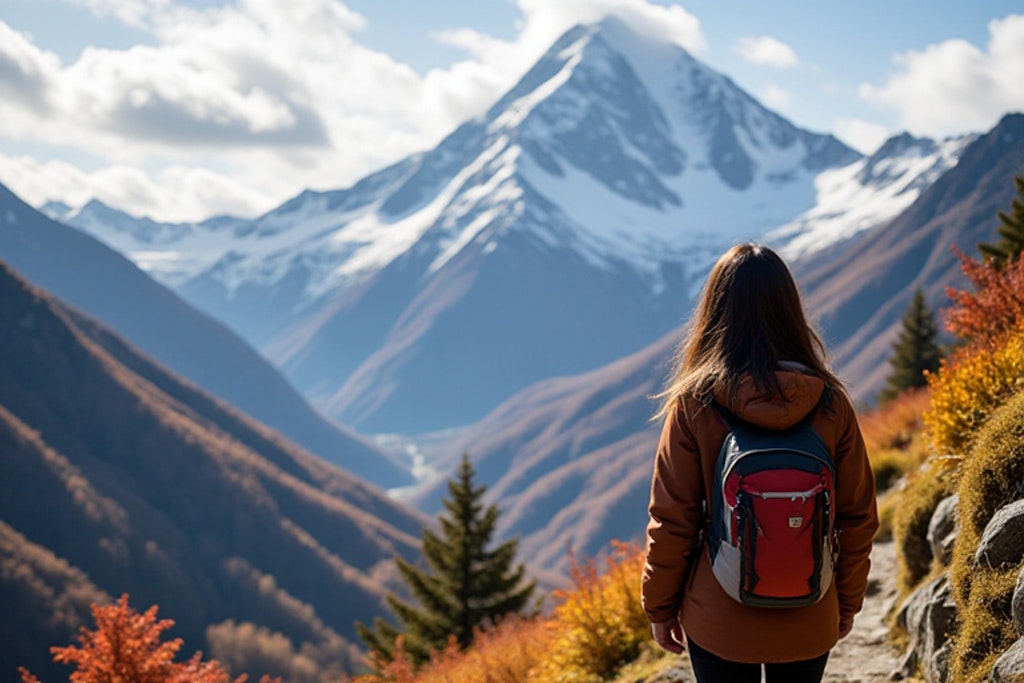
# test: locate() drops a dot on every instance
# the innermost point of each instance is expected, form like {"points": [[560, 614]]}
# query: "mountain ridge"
{"points": [[107, 286], [139, 482]]}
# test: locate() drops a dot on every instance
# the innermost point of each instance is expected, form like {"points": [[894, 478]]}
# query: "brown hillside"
{"points": [[141, 483]]}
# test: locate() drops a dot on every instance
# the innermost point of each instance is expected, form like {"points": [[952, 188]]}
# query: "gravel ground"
{"points": [[865, 655]]}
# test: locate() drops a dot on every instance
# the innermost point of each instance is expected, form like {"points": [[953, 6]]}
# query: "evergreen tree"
{"points": [[915, 351], [1011, 231], [465, 585]]}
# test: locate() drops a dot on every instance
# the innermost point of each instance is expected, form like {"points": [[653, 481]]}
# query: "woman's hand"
{"points": [[669, 636]]}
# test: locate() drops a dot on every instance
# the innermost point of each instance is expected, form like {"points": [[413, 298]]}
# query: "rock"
{"points": [[928, 614], [937, 668], [942, 529], [1018, 604], [1010, 667], [1002, 543]]}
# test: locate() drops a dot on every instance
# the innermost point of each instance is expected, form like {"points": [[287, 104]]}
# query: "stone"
{"points": [[1009, 668], [942, 529], [1002, 542], [936, 670], [1018, 604], [929, 615]]}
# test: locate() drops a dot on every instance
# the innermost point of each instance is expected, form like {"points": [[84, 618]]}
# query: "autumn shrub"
{"points": [[921, 494], [888, 502], [989, 320], [996, 305], [127, 646], [599, 625], [508, 652], [970, 385], [895, 436], [992, 476]]}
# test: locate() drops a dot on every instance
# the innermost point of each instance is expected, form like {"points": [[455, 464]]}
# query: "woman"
{"points": [[751, 351]]}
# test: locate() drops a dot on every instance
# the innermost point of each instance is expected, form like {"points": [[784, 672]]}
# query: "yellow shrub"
{"points": [[969, 386], [599, 626]]}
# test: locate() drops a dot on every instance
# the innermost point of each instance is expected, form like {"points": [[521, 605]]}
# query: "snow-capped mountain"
{"points": [[170, 252], [102, 284], [567, 227], [569, 459], [868, 192]]}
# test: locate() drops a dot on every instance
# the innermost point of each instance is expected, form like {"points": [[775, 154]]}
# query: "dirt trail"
{"points": [[864, 656]]}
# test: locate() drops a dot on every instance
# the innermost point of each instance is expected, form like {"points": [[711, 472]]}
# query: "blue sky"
{"points": [[181, 109]]}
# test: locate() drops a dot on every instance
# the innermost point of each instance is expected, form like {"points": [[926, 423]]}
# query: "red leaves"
{"points": [[127, 647], [994, 307]]}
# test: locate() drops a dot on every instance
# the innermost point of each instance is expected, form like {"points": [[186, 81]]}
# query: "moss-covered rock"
{"points": [[924, 490], [992, 476]]}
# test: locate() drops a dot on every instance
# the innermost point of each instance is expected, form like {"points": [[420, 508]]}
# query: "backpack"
{"points": [[770, 529]]}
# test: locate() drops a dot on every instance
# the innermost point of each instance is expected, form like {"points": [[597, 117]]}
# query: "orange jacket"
{"points": [[715, 621]]}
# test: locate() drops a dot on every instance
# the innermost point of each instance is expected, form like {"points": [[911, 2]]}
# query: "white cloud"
{"points": [[766, 51], [175, 194], [863, 136], [953, 86], [280, 96], [545, 21], [27, 73], [137, 13]]}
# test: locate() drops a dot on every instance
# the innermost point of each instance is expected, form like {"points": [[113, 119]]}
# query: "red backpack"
{"points": [[770, 529]]}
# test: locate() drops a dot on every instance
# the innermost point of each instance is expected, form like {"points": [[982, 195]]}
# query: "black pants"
{"points": [[710, 668]]}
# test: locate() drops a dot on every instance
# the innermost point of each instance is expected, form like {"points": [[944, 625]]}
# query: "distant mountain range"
{"points": [[860, 292], [118, 476], [105, 285], [567, 227]]}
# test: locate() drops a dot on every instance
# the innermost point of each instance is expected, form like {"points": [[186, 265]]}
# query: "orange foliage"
{"points": [[895, 436], [970, 385], [506, 653], [597, 627], [978, 377], [896, 423], [127, 647], [995, 307]]}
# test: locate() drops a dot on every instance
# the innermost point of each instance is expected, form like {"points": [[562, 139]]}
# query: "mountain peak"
{"points": [[604, 169]]}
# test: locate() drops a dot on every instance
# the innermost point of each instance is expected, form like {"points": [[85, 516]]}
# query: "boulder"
{"points": [[937, 668], [1002, 542], [942, 529], [1010, 667], [928, 615], [1018, 604]]}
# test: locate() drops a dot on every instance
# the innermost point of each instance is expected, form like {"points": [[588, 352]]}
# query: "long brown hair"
{"points": [[749, 319]]}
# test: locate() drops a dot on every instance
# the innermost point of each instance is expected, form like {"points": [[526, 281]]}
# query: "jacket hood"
{"points": [[800, 394]]}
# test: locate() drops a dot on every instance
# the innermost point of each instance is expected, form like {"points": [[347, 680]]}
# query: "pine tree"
{"points": [[1011, 231], [915, 351], [465, 585]]}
